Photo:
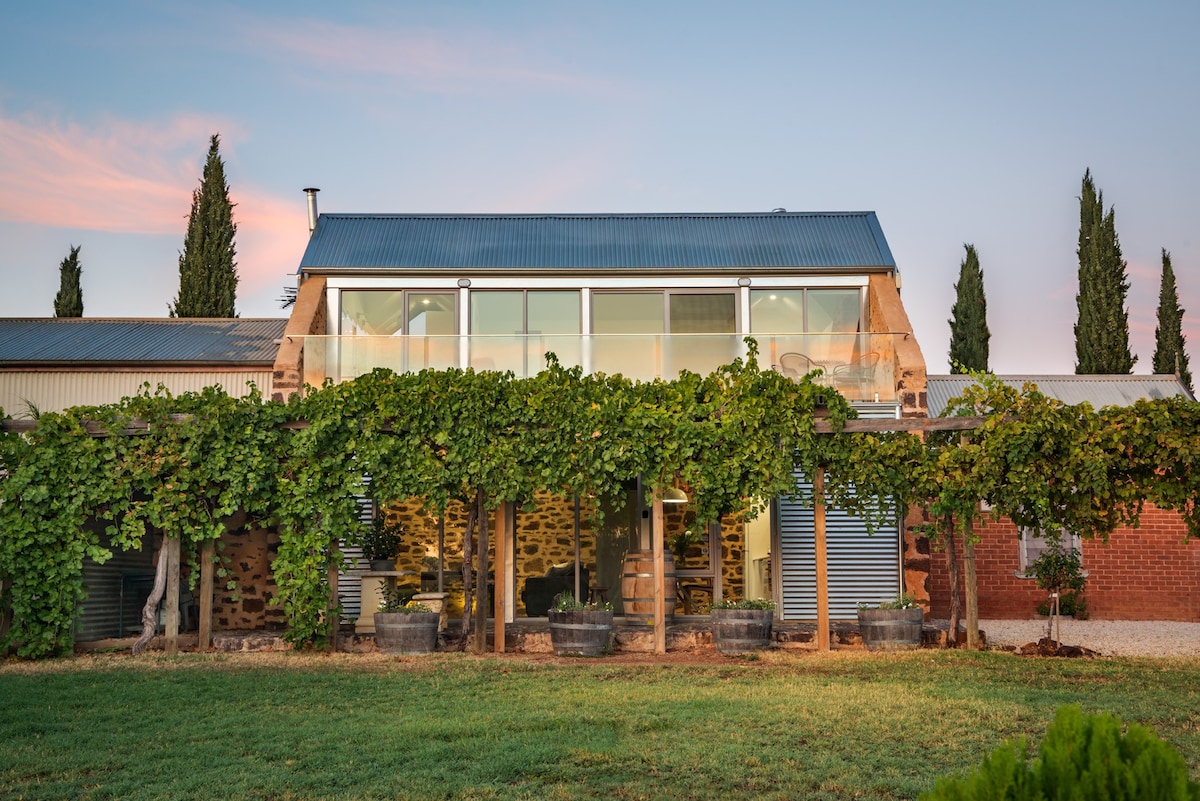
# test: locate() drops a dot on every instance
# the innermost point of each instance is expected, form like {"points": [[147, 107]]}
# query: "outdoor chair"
{"points": [[539, 591], [797, 365], [858, 374]]}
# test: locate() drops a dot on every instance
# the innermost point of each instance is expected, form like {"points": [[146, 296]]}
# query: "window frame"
{"points": [[1026, 535]]}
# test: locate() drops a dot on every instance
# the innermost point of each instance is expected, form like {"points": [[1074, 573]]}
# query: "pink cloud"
{"points": [[135, 178], [432, 60], [120, 176], [271, 237]]}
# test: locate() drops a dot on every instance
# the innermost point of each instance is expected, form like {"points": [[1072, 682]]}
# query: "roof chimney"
{"points": [[312, 208]]}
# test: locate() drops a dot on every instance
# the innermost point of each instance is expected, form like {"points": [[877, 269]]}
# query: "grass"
{"points": [[784, 726]]}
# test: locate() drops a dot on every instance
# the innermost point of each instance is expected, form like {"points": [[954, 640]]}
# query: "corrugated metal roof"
{"points": [[57, 341], [1098, 390], [812, 240]]}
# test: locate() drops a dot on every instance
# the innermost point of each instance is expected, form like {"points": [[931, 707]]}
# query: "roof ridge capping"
{"points": [[588, 215]]}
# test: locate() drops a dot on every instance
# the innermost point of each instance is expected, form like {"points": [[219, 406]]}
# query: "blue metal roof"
{"points": [[1097, 390], [772, 240], [189, 341]]}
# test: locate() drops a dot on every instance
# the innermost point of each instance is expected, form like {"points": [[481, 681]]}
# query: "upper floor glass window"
{"points": [[515, 329], [384, 312], [525, 312], [798, 311]]}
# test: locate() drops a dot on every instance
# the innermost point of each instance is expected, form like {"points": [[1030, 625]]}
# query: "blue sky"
{"points": [[955, 122]]}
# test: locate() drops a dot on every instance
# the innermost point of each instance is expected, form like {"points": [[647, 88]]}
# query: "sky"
{"points": [[955, 122]]}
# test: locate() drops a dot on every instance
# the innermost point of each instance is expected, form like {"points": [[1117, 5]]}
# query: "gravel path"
{"points": [[1108, 637]]}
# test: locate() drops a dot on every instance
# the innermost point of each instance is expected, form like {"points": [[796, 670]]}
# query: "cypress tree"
{"points": [[69, 300], [207, 272], [1170, 354], [969, 333], [1102, 330]]}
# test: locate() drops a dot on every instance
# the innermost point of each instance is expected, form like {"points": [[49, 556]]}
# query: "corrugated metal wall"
{"points": [[116, 592], [55, 391], [862, 567]]}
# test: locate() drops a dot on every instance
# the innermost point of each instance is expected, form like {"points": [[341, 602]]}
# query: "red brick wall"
{"points": [[1148, 573]]}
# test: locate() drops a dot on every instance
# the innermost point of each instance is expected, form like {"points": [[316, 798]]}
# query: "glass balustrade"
{"points": [[860, 366]]}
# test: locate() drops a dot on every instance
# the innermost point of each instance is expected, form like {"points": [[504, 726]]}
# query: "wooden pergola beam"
{"points": [[821, 426]]}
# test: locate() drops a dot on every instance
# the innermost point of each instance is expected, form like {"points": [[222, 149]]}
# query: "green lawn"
{"points": [[787, 725]]}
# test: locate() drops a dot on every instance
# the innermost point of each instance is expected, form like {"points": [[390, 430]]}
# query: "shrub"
{"points": [[903, 601], [1072, 604], [399, 599], [1081, 757], [381, 539], [1059, 568], [745, 603], [566, 602]]}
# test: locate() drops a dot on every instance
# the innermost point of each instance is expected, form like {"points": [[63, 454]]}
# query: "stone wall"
{"points": [[308, 317], [886, 314], [247, 556], [544, 537]]}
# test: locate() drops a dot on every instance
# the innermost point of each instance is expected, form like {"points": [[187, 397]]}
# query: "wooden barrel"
{"points": [[890, 629], [580, 633], [739, 631], [637, 587], [406, 633]]}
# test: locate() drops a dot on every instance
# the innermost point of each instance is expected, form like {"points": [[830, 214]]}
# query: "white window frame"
{"points": [[1037, 538]]}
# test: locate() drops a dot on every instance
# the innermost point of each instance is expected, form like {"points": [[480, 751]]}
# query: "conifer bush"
{"points": [[1082, 757]]}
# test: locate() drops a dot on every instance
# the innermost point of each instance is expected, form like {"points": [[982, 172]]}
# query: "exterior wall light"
{"points": [[674, 495]]}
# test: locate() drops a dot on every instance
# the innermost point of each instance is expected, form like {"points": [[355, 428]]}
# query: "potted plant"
{"points": [[579, 629], [742, 626], [891, 625], [1059, 571], [682, 542], [381, 541], [403, 626]]}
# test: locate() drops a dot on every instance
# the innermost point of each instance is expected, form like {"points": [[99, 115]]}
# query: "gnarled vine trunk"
{"points": [[467, 568], [972, 589], [952, 572], [481, 574], [150, 610]]}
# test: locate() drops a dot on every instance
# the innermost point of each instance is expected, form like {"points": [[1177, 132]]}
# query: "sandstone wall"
{"points": [[247, 556]]}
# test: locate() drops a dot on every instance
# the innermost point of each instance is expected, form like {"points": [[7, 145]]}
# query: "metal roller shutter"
{"points": [[350, 577]]}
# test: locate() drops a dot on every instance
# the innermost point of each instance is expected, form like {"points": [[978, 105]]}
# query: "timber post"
{"points": [[660, 577], [821, 552], [207, 569]]}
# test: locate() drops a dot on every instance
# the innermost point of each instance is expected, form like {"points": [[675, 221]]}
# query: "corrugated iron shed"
{"points": [[192, 342], [761, 241], [1098, 390]]}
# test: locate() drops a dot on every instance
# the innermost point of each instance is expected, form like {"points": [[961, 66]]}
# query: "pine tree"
{"points": [[1102, 331], [1170, 353], [69, 300], [207, 272], [969, 333]]}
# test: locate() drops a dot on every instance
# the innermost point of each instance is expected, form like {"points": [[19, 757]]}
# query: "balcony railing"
{"points": [[860, 366]]}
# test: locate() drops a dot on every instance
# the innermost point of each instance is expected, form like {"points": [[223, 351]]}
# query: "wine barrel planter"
{"points": [[580, 633], [637, 587], [890, 629], [739, 631], [406, 633]]}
